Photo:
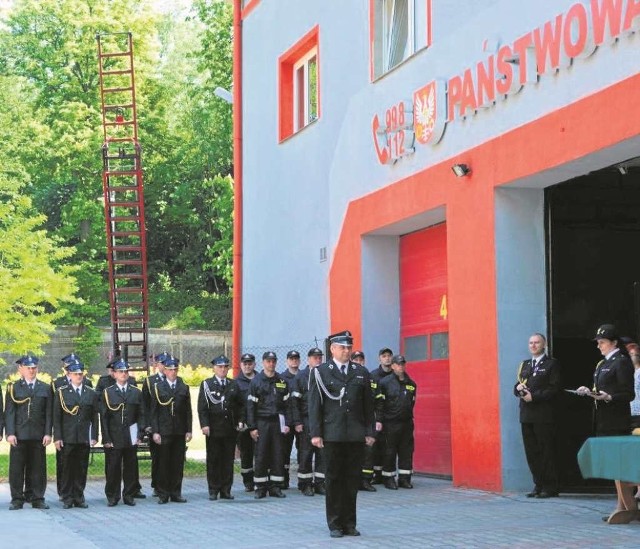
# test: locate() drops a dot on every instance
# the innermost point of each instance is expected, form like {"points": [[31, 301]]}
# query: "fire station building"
{"points": [[445, 178]]}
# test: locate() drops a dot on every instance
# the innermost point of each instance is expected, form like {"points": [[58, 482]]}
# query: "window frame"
{"points": [[302, 98]]}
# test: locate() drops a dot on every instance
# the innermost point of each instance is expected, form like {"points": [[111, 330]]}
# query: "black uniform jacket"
{"points": [[1, 414], [75, 418], [171, 410], [29, 416], [147, 390], [220, 408], [243, 386], [377, 376], [300, 398], [268, 397], [107, 381], [544, 384], [615, 377], [118, 412], [395, 399], [346, 419]]}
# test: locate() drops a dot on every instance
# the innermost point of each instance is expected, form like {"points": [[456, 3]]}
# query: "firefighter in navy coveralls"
{"points": [[309, 481], [28, 424], [122, 422], [293, 367], [374, 455], [147, 392], [537, 387], [394, 414], [341, 420], [75, 427], [221, 414], [245, 442], [63, 381], [171, 423], [268, 419]]}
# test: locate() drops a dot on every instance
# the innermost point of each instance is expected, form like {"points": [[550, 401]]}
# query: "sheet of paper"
{"points": [[133, 431], [282, 422]]}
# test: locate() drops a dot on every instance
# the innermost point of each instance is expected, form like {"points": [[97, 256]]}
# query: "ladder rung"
{"points": [[128, 276], [126, 173], [116, 90], [130, 317], [125, 304], [120, 139], [127, 261], [117, 234], [116, 107], [124, 204], [127, 248], [113, 73], [131, 188], [117, 54], [120, 218], [129, 290], [125, 123]]}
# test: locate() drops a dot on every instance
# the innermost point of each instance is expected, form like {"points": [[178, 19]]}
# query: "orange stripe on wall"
{"points": [[588, 125]]}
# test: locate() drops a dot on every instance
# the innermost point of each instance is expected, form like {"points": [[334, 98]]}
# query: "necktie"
{"points": [[343, 368], [78, 390], [173, 386], [30, 386]]}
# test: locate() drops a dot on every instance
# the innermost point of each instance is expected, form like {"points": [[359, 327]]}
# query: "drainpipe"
{"points": [[236, 321]]}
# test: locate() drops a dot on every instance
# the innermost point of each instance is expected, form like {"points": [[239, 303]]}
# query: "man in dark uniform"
{"points": [[122, 421], [374, 455], [28, 424], [309, 481], [245, 442], [221, 413], [147, 391], [358, 358], [268, 419], [293, 366], [341, 420], [75, 428], [171, 423], [394, 412], [537, 387], [63, 381]]}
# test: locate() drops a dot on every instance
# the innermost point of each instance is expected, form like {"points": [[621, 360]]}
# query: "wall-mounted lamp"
{"points": [[460, 170], [623, 170]]}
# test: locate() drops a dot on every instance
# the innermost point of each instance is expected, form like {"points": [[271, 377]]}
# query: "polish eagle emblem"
{"points": [[424, 112]]}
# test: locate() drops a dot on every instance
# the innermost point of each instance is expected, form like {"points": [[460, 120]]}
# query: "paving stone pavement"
{"points": [[433, 514]]}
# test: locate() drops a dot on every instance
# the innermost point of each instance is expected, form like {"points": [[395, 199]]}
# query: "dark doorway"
{"points": [[593, 239]]}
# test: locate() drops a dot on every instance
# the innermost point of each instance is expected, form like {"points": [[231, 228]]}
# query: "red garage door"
{"points": [[425, 343]]}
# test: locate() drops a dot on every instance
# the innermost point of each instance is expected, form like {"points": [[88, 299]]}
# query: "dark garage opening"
{"points": [[593, 241]]}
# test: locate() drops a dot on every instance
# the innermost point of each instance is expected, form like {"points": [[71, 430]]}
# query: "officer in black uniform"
{"points": [[245, 442], [268, 419], [358, 357], [293, 367], [171, 423], [394, 412], [309, 481], [147, 391], [341, 420], [122, 421], [28, 424], [75, 428], [537, 387], [63, 381], [221, 413], [374, 455]]}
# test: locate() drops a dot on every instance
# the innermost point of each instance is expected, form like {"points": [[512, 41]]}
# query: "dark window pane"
{"points": [[415, 348], [439, 346]]}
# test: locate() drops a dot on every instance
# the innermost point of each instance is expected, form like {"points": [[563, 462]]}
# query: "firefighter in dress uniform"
{"points": [[221, 414], [341, 420], [310, 478], [394, 417], [268, 419], [245, 442], [122, 422], [28, 424], [171, 423], [147, 392], [75, 428]]}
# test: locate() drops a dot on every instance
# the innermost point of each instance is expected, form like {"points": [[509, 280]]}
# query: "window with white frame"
{"points": [[305, 89], [394, 32]]}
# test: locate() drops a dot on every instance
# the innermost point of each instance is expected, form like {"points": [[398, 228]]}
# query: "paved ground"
{"points": [[434, 514]]}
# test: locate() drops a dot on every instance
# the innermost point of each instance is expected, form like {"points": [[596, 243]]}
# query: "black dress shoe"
{"points": [[178, 499], [226, 495], [403, 483], [390, 483], [162, 500], [249, 488], [112, 502], [308, 490], [336, 533], [350, 532], [129, 501], [366, 486], [39, 505], [81, 505], [260, 493], [320, 489], [545, 495], [15, 506], [67, 505], [533, 493], [213, 496], [276, 492], [139, 495]]}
